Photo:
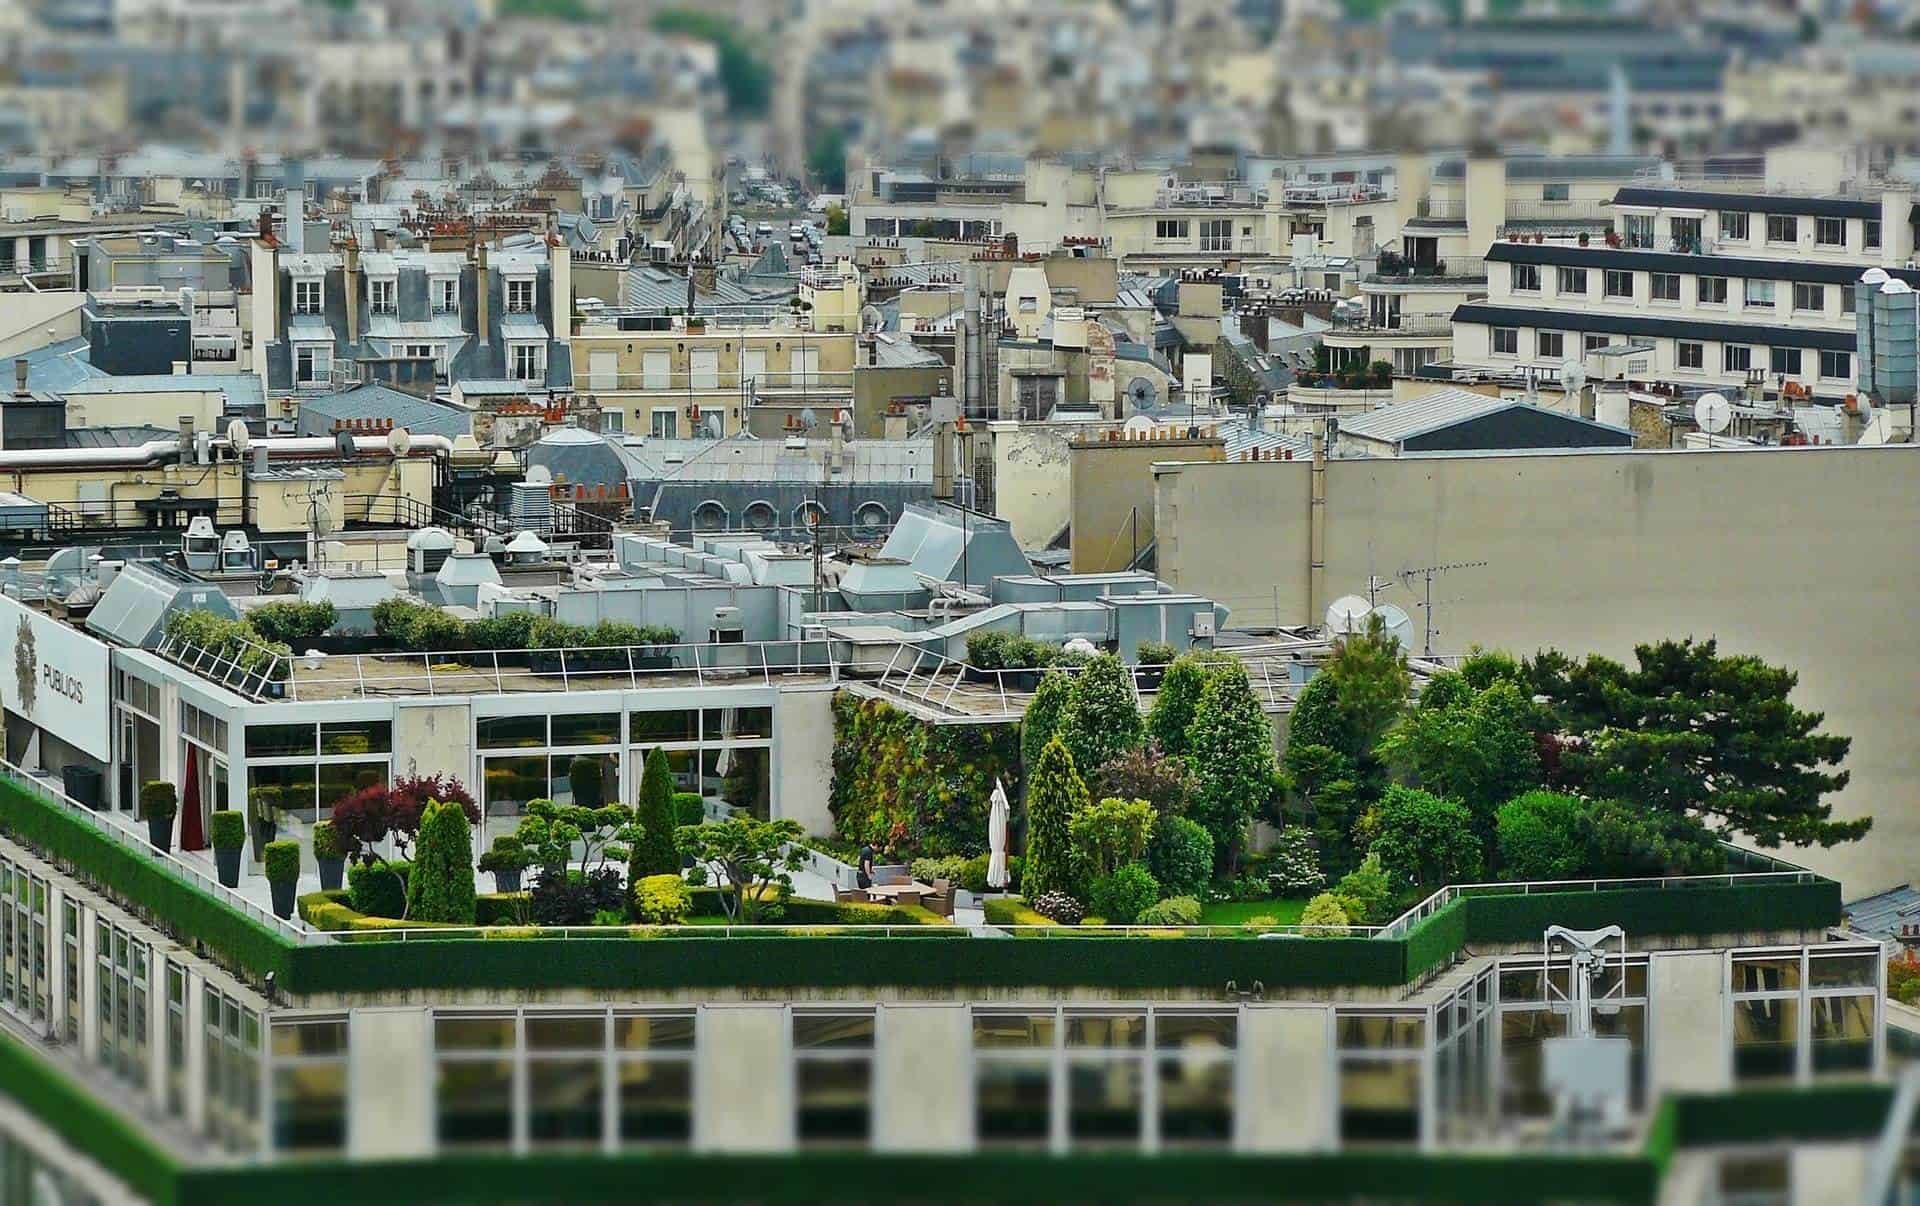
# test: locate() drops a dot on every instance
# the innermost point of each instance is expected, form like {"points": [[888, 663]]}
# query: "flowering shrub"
{"points": [[1058, 906]]}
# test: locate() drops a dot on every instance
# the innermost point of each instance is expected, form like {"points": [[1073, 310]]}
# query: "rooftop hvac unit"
{"points": [[729, 628], [531, 507]]}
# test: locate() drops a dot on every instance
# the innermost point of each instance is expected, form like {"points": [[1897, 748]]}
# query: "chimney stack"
{"points": [[480, 285], [350, 278], [20, 369]]}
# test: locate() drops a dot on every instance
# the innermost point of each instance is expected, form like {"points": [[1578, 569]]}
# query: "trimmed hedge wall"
{"points": [[1705, 909], [87, 1123], [1823, 1112], [859, 1177], [1434, 942], [146, 882]]}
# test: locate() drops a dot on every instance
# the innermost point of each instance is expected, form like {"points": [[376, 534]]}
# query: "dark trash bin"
{"points": [[84, 784]]}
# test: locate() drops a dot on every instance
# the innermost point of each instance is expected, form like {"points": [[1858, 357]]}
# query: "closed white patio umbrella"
{"points": [[997, 837]]}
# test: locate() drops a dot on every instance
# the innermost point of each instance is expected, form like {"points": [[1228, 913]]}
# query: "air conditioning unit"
{"points": [[1202, 627]]}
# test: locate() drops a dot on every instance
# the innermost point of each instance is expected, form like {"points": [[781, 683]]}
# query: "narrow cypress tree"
{"points": [[656, 852], [440, 887], [1054, 794]]}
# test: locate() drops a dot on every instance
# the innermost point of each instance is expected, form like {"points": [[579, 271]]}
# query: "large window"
{"points": [[1759, 294], [232, 1055], [312, 363], [1870, 234], [122, 992], [1836, 366], [1573, 282], [585, 1079], [446, 294], [1526, 278], [1463, 1052], [1712, 290], [1805, 1014], [1664, 286], [309, 1096], [307, 293], [1616, 283], [1830, 232], [1690, 355], [1550, 345], [1783, 228], [520, 295], [1733, 226], [833, 1077], [1170, 229], [1075, 1079], [304, 769], [1216, 234], [1735, 358], [1381, 1056], [541, 766], [383, 294], [1506, 341], [1811, 299], [1784, 361], [1639, 232], [24, 918]]}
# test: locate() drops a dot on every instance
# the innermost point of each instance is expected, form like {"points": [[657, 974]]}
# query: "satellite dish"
{"points": [[1138, 424], [808, 420], [322, 518], [1397, 624], [399, 441], [1713, 413], [872, 321], [238, 435], [344, 444], [1347, 614], [1573, 380]]}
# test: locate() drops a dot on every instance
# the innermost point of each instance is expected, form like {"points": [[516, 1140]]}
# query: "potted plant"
{"points": [[1151, 660], [505, 860], [260, 816], [158, 803], [229, 834], [329, 856], [1583, 238], [283, 874]]}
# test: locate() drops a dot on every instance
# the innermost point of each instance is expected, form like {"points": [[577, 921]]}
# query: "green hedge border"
{"points": [[188, 911], [86, 1122], [854, 1178]]}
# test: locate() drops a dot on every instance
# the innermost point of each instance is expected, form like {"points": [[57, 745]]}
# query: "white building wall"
{"points": [[803, 757], [1286, 1079], [743, 1059], [923, 1079], [390, 1077]]}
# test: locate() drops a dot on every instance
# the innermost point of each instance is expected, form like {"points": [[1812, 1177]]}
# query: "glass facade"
{"points": [[1805, 1014], [302, 770], [1080, 1079], [309, 1085], [833, 1078], [25, 905]]}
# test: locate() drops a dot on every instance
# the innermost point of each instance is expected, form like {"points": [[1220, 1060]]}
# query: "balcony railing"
{"points": [[665, 385]]}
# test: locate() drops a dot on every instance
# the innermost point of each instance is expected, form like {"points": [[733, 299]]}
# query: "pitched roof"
{"points": [[1441, 409]]}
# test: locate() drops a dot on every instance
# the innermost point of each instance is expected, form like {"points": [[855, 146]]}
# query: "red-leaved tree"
{"points": [[378, 813]]}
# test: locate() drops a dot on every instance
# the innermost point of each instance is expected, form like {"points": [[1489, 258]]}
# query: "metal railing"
{"points": [[597, 668], [137, 843], [244, 667], [1404, 924]]}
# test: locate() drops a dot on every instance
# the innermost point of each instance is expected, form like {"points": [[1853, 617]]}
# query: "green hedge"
{"points": [[1702, 909], [145, 882], [1434, 942], [86, 1122], [1783, 1115], [854, 1177]]}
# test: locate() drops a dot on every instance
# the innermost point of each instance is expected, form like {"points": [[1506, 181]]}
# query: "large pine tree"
{"points": [[1230, 747], [656, 852]]}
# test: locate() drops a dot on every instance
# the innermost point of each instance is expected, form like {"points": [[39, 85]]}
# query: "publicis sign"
{"points": [[59, 680]]}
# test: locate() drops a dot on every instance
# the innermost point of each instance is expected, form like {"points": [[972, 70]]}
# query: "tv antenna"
{"points": [[1427, 573]]}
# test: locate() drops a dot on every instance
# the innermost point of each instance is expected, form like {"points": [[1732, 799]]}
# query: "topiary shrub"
{"points": [[1102, 720], [1174, 910], [441, 886], [1181, 856], [1059, 907], [228, 830], [282, 860], [1294, 869], [378, 889], [158, 800], [326, 842], [948, 867], [662, 900], [689, 808], [1042, 718], [586, 775], [1056, 795], [1324, 917], [1125, 894], [1155, 653], [657, 852]]}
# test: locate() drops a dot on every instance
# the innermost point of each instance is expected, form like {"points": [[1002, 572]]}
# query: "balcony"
{"points": [[1408, 326]]}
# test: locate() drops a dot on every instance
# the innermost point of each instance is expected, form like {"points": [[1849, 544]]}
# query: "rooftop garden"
{"points": [[1609, 791]]}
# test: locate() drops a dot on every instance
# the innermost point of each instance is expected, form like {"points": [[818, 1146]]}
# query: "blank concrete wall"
{"points": [[1801, 556]]}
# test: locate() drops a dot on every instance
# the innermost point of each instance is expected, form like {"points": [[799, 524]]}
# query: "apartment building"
{"points": [[489, 313], [1704, 289]]}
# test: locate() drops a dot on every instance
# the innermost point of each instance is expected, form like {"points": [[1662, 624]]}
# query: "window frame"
{"points": [[1571, 282], [1699, 357], [1523, 278], [1612, 276], [1512, 335]]}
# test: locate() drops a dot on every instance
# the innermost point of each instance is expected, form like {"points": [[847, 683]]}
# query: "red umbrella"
{"points": [[193, 834]]}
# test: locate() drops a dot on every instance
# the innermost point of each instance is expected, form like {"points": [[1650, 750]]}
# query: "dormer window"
{"points": [[520, 295], [383, 295], [446, 294], [307, 294]]}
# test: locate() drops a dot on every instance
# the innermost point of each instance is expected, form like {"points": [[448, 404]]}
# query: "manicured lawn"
{"points": [[1283, 910]]}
